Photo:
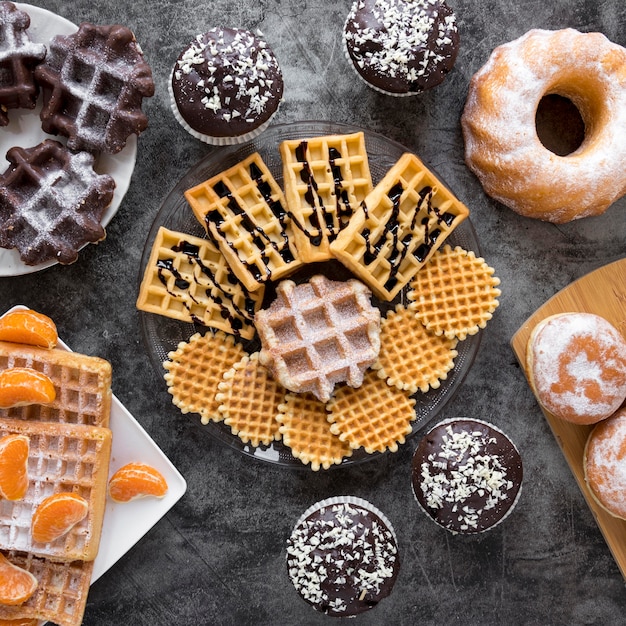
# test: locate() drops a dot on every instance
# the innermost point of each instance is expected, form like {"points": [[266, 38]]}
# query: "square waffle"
{"points": [[243, 210], [61, 594], [325, 180], [62, 457], [82, 384], [187, 278], [398, 227]]}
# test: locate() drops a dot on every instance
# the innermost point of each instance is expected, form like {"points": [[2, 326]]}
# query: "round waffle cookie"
{"points": [[306, 432], [194, 370], [403, 336], [248, 401], [376, 416], [455, 294]]}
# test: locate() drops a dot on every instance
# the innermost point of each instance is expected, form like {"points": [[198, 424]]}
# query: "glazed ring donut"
{"points": [[501, 143]]}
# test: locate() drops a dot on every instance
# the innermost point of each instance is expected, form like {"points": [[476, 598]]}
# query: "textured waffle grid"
{"points": [[249, 399], [82, 384], [188, 279], [402, 337], [319, 333], [244, 211], [325, 180], [195, 369], [455, 294], [62, 458], [398, 227], [306, 432], [376, 416], [61, 594]]}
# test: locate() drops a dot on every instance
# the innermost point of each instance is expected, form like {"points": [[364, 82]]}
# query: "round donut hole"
{"points": [[560, 126]]}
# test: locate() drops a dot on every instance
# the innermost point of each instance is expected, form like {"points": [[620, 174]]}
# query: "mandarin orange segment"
{"points": [[29, 327], [56, 515], [16, 584], [14, 466], [136, 480], [21, 386]]}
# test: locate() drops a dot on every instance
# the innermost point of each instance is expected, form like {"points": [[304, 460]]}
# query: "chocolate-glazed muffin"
{"points": [[226, 86], [467, 475], [342, 556], [401, 47]]}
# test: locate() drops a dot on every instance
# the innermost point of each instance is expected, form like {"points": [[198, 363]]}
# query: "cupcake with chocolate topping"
{"points": [[401, 47], [342, 556], [226, 86], [466, 475]]}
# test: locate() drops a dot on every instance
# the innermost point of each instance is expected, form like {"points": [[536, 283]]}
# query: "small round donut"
{"points": [[604, 462], [576, 366], [501, 143]]}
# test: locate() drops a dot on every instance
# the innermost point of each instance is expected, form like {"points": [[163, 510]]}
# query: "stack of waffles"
{"points": [[69, 451]]}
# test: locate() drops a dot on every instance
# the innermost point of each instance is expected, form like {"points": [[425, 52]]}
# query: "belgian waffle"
{"points": [[455, 294], [402, 337], [325, 180], [398, 227], [62, 457], [248, 399], [319, 333], [93, 83], [244, 211], [376, 416], [82, 384], [306, 432], [187, 278], [61, 595], [195, 369], [18, 57]]}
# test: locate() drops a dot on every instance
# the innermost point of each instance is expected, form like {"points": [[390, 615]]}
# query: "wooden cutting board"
{"points": [[602, 292]]}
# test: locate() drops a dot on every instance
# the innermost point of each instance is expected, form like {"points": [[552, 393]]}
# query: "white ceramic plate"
{"points": [[24, 130], [125, 524]]}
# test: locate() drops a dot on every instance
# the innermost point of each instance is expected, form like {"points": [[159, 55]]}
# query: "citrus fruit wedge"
{"points": [[16, 584], [14, 466], [20, 386], [29, 327], [56, 515], [136, 480]]}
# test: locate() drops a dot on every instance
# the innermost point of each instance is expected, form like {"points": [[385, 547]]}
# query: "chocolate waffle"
{"points": [[51, 203], [398, 227], [243, 210], [325, 180], [455, 294], [317, 334], [187, 278], [18, 58], [93, 83]]}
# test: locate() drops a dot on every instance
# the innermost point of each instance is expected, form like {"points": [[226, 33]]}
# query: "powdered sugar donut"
{"points": [[501, 143], [605, 464], [576, 365]]}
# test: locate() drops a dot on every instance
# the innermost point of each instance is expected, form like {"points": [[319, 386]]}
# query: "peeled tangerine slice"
{"points": [[16, 584], [136, 480], [20, 386], [56, 515], [28, 327], [14, 466]]}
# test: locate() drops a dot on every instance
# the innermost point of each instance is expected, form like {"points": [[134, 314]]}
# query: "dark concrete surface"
{"points": [[218, 557]]}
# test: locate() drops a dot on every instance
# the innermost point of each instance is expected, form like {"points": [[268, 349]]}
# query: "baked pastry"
{"points": [[466, 475], [342, 556], [244, 212], [93, 84], [317, 334], [326, 178], [401, 48], [502, 146], [52, 202], [226, 86], [18, 58], [603, 463], [576, 367], [398, 227]]}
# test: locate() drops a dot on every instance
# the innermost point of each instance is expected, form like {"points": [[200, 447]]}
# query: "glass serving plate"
{"points": [[162, 335]]}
